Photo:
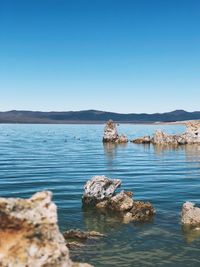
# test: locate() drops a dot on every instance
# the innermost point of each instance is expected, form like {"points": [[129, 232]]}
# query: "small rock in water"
{"points": [[121, 203], [111, 134], [142, 140], [75, 238], [190, 214], [99, 188], [78, 234]]}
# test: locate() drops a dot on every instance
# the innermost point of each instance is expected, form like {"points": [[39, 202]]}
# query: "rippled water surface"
{"points": [[61, 158]]}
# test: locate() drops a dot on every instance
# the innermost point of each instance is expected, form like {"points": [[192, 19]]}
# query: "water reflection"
{"points": [[101, 220], [110, 151], [191, 233], [191, 151], [161, 148]]}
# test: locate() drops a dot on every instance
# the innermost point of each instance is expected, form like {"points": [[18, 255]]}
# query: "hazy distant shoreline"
{"points": [[96, 117], [99, 122]]}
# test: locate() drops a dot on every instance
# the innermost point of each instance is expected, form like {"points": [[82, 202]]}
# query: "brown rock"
{"points": [[103, 204], [29, 233], [141, 211], [142, 140], [121, 202], [78, 234]]}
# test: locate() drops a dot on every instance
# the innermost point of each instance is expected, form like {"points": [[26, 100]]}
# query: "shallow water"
{"points": [[61, 158]]}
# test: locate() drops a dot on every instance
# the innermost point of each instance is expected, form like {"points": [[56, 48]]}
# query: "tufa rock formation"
{"points": [[76, 238], [98, 189], [111, 134], [191, 136], [100, 193], [30, 235], [190, 214]]}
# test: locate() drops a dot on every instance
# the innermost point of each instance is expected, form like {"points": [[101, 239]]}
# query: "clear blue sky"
{"points": [[114, 55]]}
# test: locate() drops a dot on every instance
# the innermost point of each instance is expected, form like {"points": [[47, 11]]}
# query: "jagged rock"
{"points": [[121, 202], [163, 138], [193, 128], [103, 204], [74, 244], [191, 136], [190, 214], [142, 140], [140, 212], [76, 238], [30, 235], [111, 134], [99, 188], [122, 139], [78, 234]]}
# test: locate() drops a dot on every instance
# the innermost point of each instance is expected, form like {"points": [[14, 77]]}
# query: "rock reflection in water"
{"points": [[191, 233], [191, 150], [193, 153], [101, 221], [161, 148], [110, 151]]}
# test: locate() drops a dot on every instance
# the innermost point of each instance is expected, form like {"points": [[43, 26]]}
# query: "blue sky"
{"points": [[114, 55]]}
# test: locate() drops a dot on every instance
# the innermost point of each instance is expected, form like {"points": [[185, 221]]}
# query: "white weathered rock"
{"points": [[164, 138], [99, 188], [190, 214], [122, 139], [111, 134], [29, 234]]}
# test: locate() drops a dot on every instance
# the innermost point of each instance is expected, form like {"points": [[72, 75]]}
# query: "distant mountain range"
{"points": [[94, 116]]}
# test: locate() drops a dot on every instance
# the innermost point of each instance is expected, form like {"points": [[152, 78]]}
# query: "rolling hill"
{"points": [[93, 116]]}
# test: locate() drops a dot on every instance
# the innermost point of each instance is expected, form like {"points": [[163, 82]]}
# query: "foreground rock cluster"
{"points": [[111, 135], [100, 193], [191, 136], [29, 234]]}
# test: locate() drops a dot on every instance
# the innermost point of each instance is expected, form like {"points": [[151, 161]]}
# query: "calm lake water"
{"points": [[61, 158]]}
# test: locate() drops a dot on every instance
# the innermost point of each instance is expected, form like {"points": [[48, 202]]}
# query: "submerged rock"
{"points": [[121, 203], [30, 235], [78, 234], [111, 134], [99, 188], [190, 214], [76, 238]]}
